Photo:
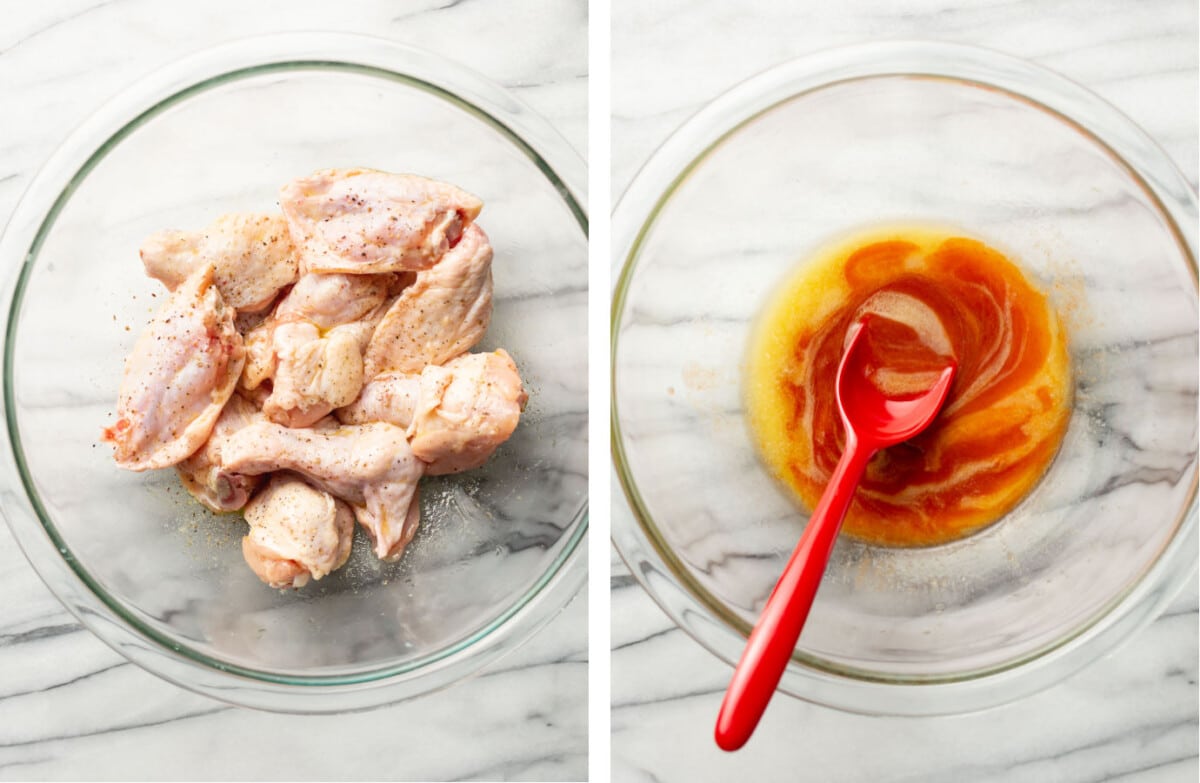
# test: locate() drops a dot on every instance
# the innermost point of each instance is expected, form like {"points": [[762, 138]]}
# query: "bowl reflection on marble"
{"points": [[500, 549], [910, 133]]}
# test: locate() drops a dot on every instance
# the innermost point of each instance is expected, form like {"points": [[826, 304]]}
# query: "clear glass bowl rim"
{"points": [[51, 187], [638, 543]]}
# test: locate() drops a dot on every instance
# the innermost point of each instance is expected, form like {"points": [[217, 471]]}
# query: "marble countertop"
{"points": [[1131, 716], [70, 707]]}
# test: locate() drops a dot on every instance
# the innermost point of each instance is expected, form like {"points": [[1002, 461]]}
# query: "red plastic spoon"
{"points": [[873, 421]]}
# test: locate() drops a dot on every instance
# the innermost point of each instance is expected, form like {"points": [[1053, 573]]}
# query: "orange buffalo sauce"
{"points": [[939, 295]]}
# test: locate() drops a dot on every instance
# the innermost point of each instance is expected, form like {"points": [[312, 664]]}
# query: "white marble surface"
{"points": [[1130, 716], [71, 708]]}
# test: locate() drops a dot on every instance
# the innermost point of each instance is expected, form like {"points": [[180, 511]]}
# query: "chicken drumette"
{"points": [[456, 414], [370, 466], [296, 532]]}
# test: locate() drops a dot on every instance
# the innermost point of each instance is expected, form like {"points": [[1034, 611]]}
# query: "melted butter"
{"points": [[948, 295]]}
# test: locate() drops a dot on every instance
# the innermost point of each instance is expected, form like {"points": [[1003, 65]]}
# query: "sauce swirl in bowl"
{"points": [[932, 294]]}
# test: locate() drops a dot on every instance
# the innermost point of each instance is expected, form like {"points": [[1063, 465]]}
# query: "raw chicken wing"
{"points": [[361, 220], [179, 376], [465, 410], [204, 475], [441, 315], [370, 466], [313, 344], [313, 374], [296, 532], [252, 252]]}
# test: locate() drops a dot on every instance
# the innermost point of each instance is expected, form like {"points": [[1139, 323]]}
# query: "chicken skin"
{"points": [[252, 253], [442, 314], [363, 221], [312, 346], [329, 300], [391, 397], [370, 466], [313, 374], [456, 415], [260, 356], [179, 376], [465, 410], [296, 532], [204, 475], [353, 302]]}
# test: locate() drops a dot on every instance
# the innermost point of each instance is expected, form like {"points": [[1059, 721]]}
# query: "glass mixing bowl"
{"points": [[161, 580], [899, 133]]}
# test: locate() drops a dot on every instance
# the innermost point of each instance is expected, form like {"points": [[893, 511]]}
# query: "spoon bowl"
{"points": [[875, 419]]}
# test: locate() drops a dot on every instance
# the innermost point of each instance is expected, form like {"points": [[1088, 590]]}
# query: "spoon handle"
{"points": [[774, 637]]}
